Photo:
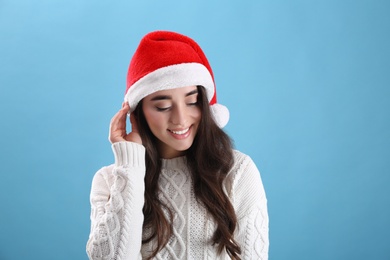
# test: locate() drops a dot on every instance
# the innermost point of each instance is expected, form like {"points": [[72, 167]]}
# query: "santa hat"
{"points": [[168, 60]]}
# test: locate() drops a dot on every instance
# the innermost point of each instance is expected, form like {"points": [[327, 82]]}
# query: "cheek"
{"points": [[153, 118], [197, 114]]}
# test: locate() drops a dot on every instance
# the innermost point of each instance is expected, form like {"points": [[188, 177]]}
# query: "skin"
{"points": [[172, 115]]}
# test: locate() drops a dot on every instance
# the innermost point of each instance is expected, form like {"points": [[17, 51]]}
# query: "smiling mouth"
{"points": [[181, 132]]}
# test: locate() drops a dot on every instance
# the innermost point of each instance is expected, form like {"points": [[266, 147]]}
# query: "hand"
{"points": [[118, 127]]}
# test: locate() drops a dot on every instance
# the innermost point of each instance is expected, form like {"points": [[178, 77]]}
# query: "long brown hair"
{"points": [[209, 159]]}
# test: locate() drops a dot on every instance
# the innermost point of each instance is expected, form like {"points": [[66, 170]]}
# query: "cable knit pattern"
{"points": [[117, 198]]}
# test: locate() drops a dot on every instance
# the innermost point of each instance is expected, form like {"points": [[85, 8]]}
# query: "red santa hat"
{"points": [[168, 60]]}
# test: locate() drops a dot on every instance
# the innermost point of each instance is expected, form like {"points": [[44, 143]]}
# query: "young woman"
{"points": [[177, 189]]}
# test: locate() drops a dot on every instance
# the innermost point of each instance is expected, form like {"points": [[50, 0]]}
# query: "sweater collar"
{"points": [[174, 163]]}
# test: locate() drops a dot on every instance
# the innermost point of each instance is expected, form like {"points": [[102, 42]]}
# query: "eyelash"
{"points": [[162, 109]]}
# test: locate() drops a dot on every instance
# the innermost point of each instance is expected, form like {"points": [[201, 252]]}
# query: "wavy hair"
{"points": [[209, 159]]}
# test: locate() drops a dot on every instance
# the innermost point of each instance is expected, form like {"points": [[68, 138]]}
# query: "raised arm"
{"points": [[117, 197]]}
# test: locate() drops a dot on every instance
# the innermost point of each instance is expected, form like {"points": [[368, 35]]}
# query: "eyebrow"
{"points": [[163, 97]]}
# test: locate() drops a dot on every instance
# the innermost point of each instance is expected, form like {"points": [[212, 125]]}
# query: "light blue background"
{"points": [[307, 84]]}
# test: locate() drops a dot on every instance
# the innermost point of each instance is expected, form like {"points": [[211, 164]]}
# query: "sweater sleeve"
{"points": [[250, 203], [117, 199]]}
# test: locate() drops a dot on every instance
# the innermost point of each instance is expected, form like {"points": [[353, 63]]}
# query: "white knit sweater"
{"points": [[117, 198]]}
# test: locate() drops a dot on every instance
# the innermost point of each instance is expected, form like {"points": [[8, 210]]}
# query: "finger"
{"points": [[126, 105], [118, 124], [122, 113], [119, 119]]}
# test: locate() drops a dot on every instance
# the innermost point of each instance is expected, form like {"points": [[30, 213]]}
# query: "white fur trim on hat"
{"points": [[170, 77]]}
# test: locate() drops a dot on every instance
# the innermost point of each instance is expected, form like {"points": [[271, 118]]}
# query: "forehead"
{"points": [[182, 91]]}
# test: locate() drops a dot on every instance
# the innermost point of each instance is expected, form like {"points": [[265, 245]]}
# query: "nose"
{"points": [[178, 116]]}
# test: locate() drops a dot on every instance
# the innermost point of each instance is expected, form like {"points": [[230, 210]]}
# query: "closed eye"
{"points": [[162, 108]]}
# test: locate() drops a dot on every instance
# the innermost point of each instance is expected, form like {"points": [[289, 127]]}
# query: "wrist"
{"points": [[128, 153], [114, 140], [134, 138]]}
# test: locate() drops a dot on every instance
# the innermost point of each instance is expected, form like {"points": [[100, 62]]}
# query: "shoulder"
{"points": [[240, 156], [243, 183], [243, 168], [243, 164]]}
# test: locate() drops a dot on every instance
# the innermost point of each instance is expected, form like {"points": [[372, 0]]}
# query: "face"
{"points": [[173, 117]]}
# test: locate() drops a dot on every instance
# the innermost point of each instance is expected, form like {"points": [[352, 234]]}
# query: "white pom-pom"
{"points": [[220, 114]]}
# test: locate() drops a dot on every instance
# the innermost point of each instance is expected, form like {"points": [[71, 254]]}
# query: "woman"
{"points": [[177, 189]]}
